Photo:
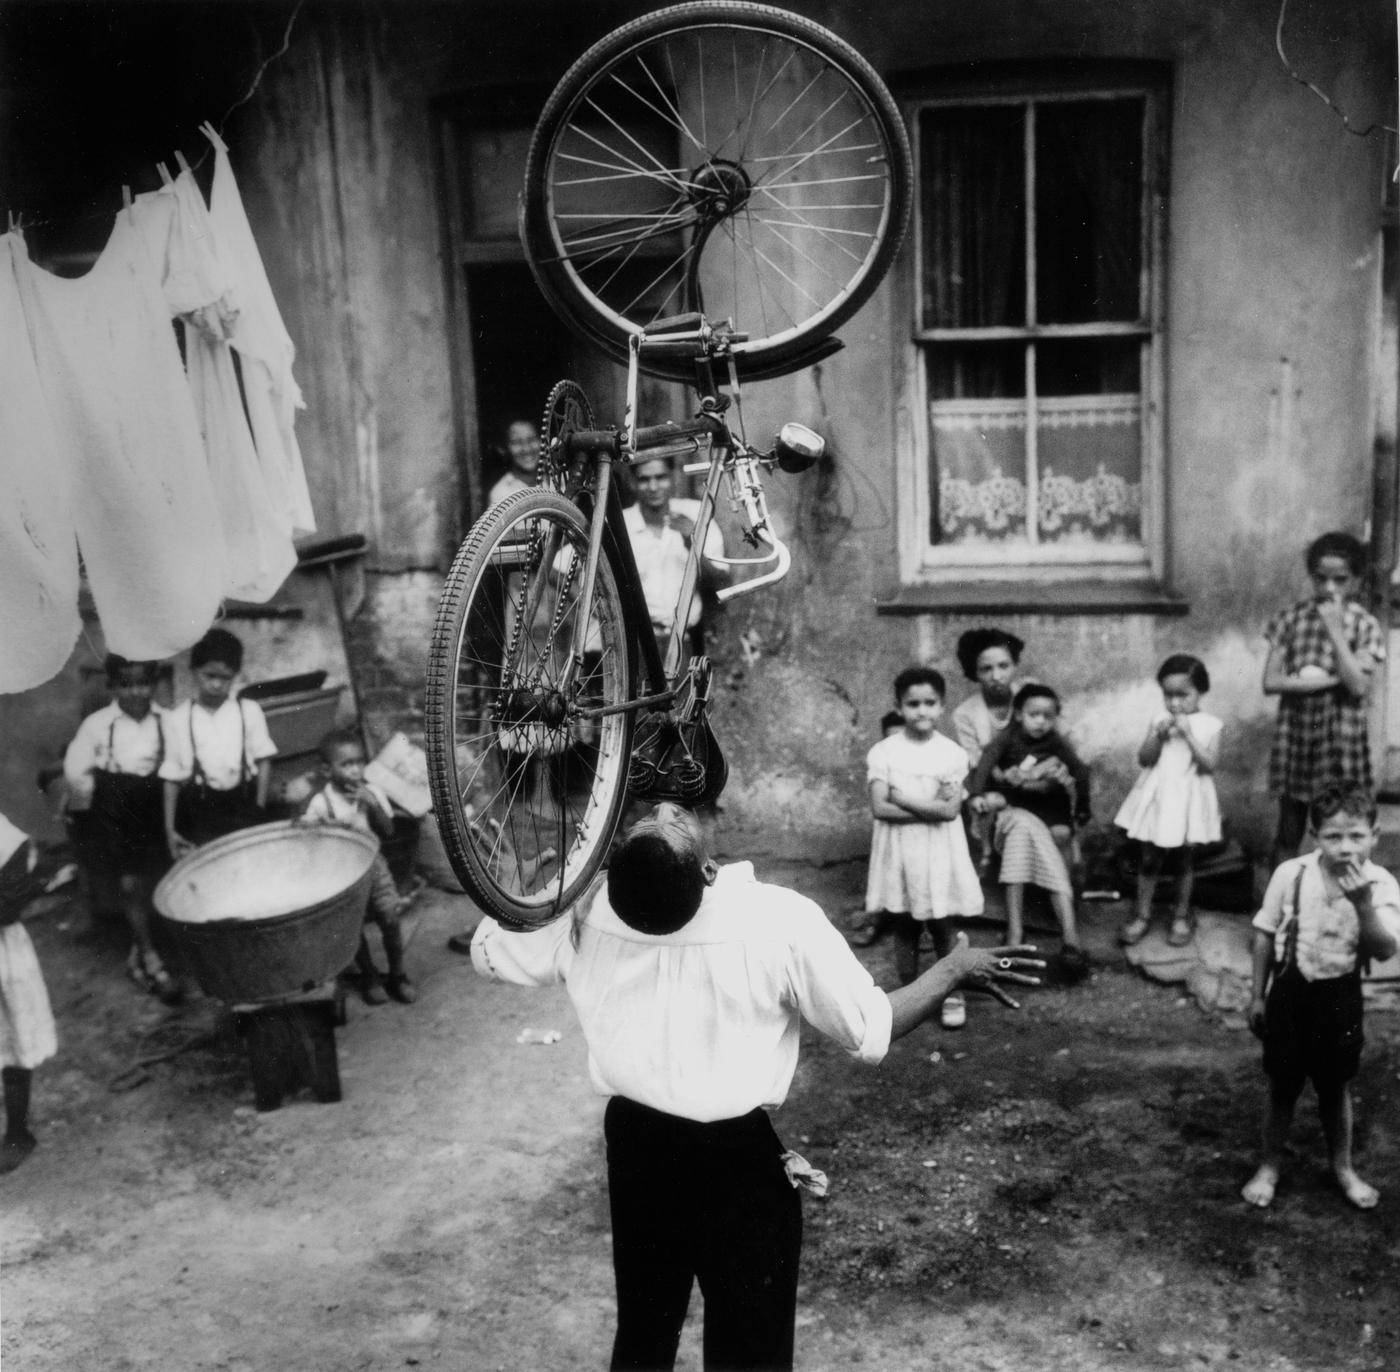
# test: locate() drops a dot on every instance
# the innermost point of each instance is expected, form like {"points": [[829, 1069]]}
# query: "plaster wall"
{"points": [[1273, 213]]}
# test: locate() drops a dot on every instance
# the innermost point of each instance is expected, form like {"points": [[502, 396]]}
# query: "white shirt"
{"points": [[216, 736], [661, 557], [330, 806], [1329, 930], [703, 1023], [507, 485], [110, 740]]}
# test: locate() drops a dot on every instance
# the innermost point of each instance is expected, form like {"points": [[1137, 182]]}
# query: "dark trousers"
{"points": [[706, 1202]]}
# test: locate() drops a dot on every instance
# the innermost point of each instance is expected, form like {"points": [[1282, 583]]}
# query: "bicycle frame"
{"points": [[729, 458]]}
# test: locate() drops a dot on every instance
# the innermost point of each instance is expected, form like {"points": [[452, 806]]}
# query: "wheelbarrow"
{"points": [[265, 919]]}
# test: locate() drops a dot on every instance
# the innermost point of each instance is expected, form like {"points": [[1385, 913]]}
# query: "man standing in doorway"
{"points": [[661, 525]]}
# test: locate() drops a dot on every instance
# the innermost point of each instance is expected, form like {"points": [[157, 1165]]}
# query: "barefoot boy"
{"points": [[1324, 915]]}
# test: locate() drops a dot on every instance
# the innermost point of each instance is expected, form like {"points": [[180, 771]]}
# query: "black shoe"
{"points": [[401, 988], [462, 943], [372, 992], [1074, 965]]}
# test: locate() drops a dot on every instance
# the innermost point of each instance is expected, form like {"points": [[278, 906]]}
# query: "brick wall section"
{"points": [[387, 642]]}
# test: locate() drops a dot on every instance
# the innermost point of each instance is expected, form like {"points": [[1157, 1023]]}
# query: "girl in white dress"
{"points": [[1172, 806], [920, 869]]}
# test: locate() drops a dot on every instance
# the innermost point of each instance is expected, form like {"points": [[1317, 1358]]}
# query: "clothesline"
{"points": [[179, 486]]}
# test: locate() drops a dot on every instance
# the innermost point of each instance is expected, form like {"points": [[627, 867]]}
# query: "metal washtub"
{"points": [[270, 911]]}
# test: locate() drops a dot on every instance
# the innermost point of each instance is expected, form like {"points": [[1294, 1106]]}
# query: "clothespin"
{"points": [[212, 134], [165, 177], [126, 200], [180, 158]]}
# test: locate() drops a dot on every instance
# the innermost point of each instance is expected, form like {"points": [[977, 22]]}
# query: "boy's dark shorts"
{"points": [[1312, 1030]]}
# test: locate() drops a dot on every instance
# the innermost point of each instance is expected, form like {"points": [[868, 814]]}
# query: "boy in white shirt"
{"points": [[218, 752], [111, 769], [347, 798], [1324, 914]]}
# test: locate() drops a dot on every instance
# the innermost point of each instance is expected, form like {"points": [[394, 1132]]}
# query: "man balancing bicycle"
{"points": [[690, 981]]}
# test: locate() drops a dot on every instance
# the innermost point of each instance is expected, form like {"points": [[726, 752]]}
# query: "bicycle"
{"points": [[715, 162]]}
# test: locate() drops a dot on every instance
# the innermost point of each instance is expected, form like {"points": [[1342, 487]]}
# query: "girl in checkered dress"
{"points": [[1323, 653]]}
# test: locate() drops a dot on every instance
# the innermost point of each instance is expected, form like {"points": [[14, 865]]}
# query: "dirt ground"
{"points": [[1052, 1189]]}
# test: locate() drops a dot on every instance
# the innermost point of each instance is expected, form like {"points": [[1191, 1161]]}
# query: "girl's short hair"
{"points": [[1183, 664], [919, 676], [218, 645], [114, 664], [1338, 544], [1342, 798], [975, 642], [1033, 690]]}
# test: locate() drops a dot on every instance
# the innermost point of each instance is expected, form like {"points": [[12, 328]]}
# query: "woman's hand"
{"points": [[179, 845]]}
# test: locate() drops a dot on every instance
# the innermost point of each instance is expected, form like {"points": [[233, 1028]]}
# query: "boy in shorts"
{"points": [[1324, 914]]}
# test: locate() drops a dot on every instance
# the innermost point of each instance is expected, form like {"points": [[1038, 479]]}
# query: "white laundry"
{"points": [[126, 430], [264, 346], [200, 290], [39, 620]]}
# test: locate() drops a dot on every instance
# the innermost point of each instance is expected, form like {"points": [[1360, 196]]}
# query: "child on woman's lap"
{"points": [[1037, 787], [1323, 915], [920, 869], [1172, 806]]}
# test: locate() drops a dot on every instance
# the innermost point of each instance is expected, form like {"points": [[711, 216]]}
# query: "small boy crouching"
{"points": [[347, 798], [1324, 914]]}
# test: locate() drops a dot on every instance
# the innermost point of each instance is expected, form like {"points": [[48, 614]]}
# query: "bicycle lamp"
{"points": [[797, 447]]}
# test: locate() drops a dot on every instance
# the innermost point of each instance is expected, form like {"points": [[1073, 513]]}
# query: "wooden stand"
{"points": [[291, 1044]]}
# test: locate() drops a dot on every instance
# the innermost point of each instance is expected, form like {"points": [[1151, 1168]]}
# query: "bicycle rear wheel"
{"points": [[528, 788], [717, 156]]}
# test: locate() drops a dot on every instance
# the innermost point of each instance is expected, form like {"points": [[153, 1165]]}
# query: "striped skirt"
{"points": [[1029, 856]]}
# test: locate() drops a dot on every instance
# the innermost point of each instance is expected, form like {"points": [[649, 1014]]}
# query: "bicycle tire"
{"points": [[514, 770], [586, 272]]}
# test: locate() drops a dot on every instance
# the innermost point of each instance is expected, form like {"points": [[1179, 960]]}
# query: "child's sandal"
{"points": [[1182, 932]]}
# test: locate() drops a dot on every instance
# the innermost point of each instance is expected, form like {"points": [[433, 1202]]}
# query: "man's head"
{"points": [[658, 873], [523, 446], [656, 480]]}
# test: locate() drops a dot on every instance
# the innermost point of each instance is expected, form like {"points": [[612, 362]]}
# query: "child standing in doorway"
{"points": [[347, 798], [1037, 787], [1324, 915], [1172, 806], [1323, 653], [218, 756], [920, 869], [523, 452]]}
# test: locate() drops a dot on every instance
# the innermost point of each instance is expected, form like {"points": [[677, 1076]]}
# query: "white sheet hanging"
{"points": [[263, 344], [199, 289], [126, 429], [39, 622]]}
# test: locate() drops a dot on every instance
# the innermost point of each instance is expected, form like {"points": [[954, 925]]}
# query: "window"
{"points": [[1034, 382]]}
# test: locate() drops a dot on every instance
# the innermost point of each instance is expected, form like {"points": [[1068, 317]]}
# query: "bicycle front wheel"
{"points": [[718, 156], [528, 778]]}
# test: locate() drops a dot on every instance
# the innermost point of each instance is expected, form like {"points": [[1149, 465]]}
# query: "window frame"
{"points": [[926, 564]]}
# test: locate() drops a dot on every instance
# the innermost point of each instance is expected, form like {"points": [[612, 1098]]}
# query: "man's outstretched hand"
{"points": [[984, 969]]}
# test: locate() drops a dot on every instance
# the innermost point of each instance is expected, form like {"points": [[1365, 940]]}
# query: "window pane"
{"points": [[1088, 248], [1088, 366], [1089, 451], [967, 371], [972, 187], [977, 458]]}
